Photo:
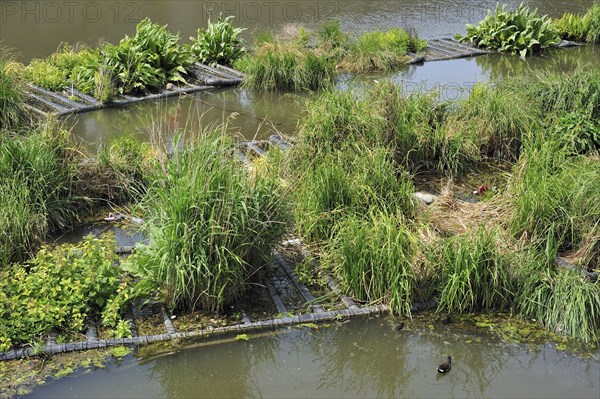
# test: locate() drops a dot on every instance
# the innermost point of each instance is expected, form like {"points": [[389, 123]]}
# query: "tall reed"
{"points": [[12, 112], [475, 274], [211, 225], [373, 258]]}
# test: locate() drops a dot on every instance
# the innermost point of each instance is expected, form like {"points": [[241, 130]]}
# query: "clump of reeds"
{"points": [[554, 195], [12, 112], [210, 223], [563, 301], [37, 175], [475, 274], [119, 173], [354, 179], [496, 119], [286, 66], [379, 50], [373, 258]]}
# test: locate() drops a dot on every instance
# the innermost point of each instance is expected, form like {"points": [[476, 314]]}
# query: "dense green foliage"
{"points": [[520, 31], [37, 177], [547, 128], [373, 257], [211, 224], [280, 66], [219, 43], [378, 50], [150, 58], [57, 290], [585, 28], [11, 95]]}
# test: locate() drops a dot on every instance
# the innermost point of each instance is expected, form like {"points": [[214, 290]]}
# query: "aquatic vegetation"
{"points": [[475, 274], [281, 66], [581, 27], [496, 118], [332, 39], [554, 196], [46, 75], [520, 31], [57, 290], [353, 180], [373, 258], [119, 173], [562, 301], [12, 113], [219, 43], [150, 58], [211, 225], [37, 177], [378, 50]]}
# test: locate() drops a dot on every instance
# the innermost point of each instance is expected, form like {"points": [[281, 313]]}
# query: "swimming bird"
{"points": [[400, 326], [445, 367]]}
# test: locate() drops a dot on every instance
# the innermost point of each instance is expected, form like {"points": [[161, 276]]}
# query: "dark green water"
{"points": [[361, 358]]}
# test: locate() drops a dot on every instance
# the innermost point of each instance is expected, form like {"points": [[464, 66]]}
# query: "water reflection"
{"points": [[360, 358]]}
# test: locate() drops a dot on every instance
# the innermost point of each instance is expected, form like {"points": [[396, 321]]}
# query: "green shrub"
{"points": [[520, 31], [474, 273], [219, 43], [57, 290], [373, 258], [211, 226], [12, 113]]}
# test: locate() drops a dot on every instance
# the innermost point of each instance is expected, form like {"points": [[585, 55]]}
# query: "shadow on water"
{"points": [[359, 358]]}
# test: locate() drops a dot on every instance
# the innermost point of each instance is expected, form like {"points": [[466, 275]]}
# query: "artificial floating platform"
{"points": [[71, 101]]}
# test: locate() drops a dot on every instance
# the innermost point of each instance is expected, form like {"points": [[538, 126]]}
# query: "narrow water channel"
{"points": [[257, 115], [359, 358]]}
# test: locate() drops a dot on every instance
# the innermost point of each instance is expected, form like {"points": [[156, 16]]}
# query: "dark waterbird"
{"points": [[445, 367], [400, 326]]}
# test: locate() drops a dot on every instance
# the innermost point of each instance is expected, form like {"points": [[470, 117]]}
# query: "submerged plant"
{"points": [[219, 43], [520, 31]]}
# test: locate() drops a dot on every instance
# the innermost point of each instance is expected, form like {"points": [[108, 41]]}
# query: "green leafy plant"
{"points": [[581, 27], [520, 31], [57, 290], [219, 43], [46, 75]]}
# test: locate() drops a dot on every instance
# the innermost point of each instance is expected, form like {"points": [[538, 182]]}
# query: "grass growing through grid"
{"points": [[211, 226]]}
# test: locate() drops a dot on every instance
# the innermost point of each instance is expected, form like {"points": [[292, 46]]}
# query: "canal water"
{"points": [[35, 27], [359, 358]]}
